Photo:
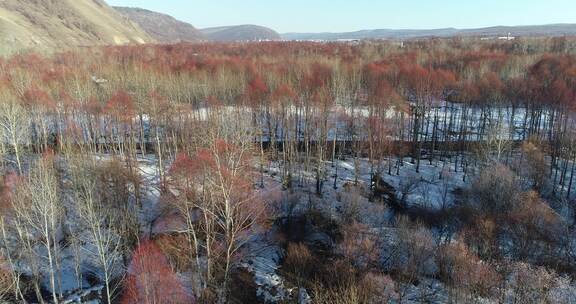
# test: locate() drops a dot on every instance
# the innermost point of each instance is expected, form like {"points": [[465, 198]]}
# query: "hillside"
{"points": [[51, 24], [524, 31], [166, 28], [240, 33], [161, 27]]}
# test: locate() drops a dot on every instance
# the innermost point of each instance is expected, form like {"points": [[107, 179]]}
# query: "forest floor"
{"points": [[346, 193]]}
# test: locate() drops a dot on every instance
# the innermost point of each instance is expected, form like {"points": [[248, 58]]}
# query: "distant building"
{"points": [[349, 41], [509, 37]]}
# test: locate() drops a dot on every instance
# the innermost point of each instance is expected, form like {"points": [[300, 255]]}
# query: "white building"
{"points": [[509, 37]]}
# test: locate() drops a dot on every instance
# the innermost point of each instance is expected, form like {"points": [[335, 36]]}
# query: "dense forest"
{"points": [[428, 171]]}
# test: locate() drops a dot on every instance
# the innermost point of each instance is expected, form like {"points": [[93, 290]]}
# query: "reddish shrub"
{"points": [[151, 280], [464, 270]]}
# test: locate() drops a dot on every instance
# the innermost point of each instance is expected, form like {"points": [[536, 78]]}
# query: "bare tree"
{"points": [[496, 190], [38, 218], [413, 255], [215, 195], [496, 144], [407, 186], [14, 125], [104, 243]]}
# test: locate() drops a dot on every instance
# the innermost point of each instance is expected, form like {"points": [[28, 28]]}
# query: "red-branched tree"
{"points": [[216, 199], [121, 109], [151, 279], [121, 106]]}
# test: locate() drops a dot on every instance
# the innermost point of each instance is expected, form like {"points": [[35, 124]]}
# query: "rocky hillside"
{"points": [[240, 33], [162, 27], [54, 24]]}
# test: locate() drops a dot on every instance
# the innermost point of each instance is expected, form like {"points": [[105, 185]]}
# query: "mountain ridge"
{"points": [[560, 29], [244, 32], [166, 28], [162, 27]]}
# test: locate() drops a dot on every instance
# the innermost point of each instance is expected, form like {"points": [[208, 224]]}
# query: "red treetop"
{"points": [[284, 91], [151, 280], [184, 166], [34, 96], [320, 76], [257, 90], [120, 105]]}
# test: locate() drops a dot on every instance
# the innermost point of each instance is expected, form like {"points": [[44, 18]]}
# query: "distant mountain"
{"points": [[54, 24], [535, 30], [162, 27], [166, 28], [240, 33], [524, 31], [371, 34]]}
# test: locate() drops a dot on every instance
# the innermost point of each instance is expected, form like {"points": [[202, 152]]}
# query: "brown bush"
{"points": [[7, 280], [360, 246], [481, 237], [503, 209], [351, 200], [343, 294], [299, 263], [535, 166], [464, 271], [176, 250], [378, 288], [534, 227], [413, 253], [117, 183], [530, 284], [337, 272], [372, 288], [495, 191]]}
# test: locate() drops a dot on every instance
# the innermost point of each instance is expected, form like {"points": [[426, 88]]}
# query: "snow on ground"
{"points": [[148, 169], [345, 199], [263, 254], [67, 282], [428, 291], [263, 259], [84, 296], [433, 187]]}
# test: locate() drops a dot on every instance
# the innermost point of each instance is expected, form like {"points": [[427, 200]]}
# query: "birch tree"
{"points": [[14, 125], [97, 222], [38, 220]]}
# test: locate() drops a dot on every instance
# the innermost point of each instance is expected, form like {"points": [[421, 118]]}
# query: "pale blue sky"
{"points": [[341, 15]]}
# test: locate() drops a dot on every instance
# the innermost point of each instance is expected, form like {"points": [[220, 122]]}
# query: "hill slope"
{"points": [[535, 30], [161, 27], [245, 32], [54, 24]]}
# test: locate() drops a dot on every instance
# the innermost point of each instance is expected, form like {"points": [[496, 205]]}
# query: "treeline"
{"points": [[442, 96]]}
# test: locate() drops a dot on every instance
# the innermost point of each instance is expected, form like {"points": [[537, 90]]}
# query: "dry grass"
{"points": [[50, 24]]}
